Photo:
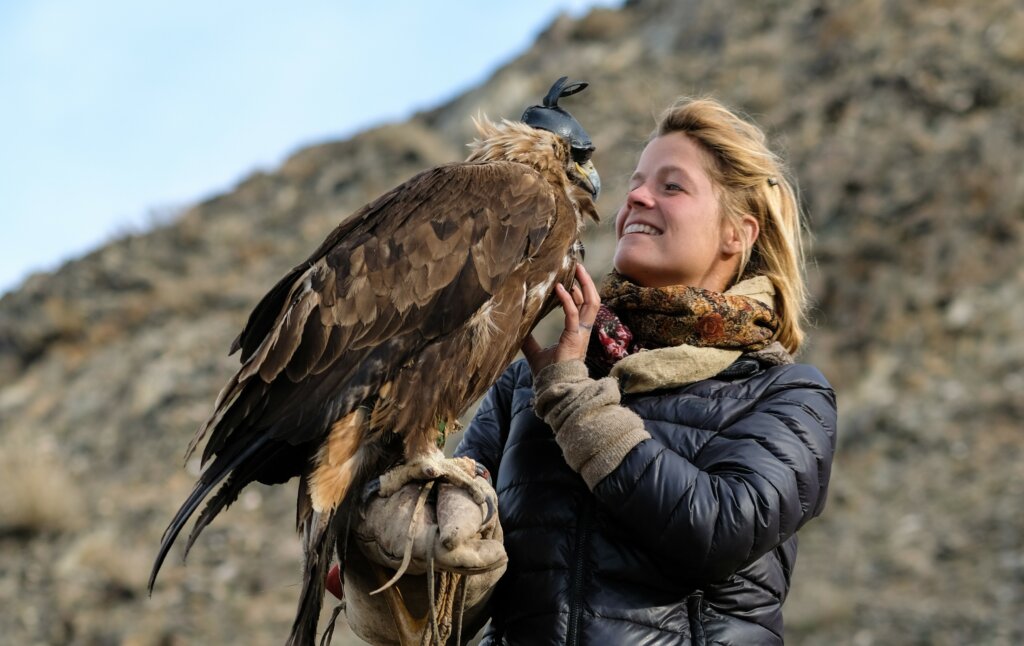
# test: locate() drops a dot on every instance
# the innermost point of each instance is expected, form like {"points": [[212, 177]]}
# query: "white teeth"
{"points": [[641, 228]]}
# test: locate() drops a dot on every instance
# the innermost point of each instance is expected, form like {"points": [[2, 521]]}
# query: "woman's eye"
{"points": [[673, 187]]}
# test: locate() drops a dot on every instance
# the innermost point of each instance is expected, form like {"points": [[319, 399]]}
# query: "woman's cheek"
{"points": [[620, 217]]}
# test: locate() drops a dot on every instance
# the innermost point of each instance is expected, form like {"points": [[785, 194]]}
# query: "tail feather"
{"points": [[228, 492], [208, 481], [225, 401], [319, 537], [244, 411]]}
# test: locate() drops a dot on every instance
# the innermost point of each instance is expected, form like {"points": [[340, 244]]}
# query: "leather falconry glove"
{"points": [[455, 529], [404, 534]]}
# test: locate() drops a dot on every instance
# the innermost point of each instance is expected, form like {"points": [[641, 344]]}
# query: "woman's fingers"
{"points": [[572, 314], [577, 294], [591, 299], [579, 305]]}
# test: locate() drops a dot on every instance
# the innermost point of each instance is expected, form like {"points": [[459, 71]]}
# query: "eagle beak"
{"points": [[588, 177]]}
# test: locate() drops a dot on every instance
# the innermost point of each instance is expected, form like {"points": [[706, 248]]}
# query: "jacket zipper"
{"points": [[572, 637], [695, 608]]}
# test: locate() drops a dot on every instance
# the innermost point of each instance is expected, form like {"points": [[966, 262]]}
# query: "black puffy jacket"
{"points": [[690, 540]]}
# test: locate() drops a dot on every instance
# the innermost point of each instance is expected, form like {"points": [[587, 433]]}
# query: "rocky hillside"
{"points": [[902, 121]]}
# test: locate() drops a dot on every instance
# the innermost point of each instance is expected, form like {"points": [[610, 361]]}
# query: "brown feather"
{"points": [[336, 462], [335, 346], [311, 347], [289, 337]]}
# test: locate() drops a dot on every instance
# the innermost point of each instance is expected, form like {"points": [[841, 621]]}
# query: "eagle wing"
{"points": [[407, 269]]}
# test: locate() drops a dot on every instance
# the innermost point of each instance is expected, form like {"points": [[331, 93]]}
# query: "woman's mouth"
{"points": [[638, 227]]}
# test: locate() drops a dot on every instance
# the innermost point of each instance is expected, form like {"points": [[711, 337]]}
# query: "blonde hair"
{"points": [[751, 179]]}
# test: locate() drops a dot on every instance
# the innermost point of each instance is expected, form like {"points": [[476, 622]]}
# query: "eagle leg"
{"points": [[461, 472]]}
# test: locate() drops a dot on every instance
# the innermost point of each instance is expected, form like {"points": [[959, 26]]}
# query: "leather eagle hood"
{"points": [[553, 118]]}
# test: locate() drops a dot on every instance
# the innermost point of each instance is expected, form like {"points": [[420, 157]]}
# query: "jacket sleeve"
{"points": [[484, 439], [760, 477]]}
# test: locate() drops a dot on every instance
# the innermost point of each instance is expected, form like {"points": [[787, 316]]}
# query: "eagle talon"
{"points": [[461, 472], [371, 489], [482, 472], [491, 511]]}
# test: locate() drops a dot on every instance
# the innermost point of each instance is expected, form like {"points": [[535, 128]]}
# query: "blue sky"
{"points": [[116, 111]]}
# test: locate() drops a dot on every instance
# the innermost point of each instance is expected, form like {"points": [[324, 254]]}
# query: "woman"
{"points": [[653, 467]]}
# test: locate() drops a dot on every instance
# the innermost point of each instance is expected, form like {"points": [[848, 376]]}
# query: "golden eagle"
{"points": [[405, 314]]}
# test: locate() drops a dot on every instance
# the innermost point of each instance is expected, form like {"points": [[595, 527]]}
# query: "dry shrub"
{"points": [[102, 566], [37, 494]]}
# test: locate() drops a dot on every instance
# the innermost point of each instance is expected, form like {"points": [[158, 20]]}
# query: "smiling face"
{"points": [[670, 229]]}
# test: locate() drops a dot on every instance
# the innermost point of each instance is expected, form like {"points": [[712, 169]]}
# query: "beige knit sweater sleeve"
{"points": [[593, 430]]}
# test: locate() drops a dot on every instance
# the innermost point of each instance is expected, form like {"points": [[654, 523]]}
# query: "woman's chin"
{"points": [[636, 273]]}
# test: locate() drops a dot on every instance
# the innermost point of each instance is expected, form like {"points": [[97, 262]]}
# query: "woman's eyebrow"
{"points": [[677, 169], [664, 170]]}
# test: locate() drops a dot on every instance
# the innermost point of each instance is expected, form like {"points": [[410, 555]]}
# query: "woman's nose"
{"points": [[640, 196]]}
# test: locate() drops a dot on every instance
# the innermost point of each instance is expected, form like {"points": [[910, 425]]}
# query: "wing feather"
{"points": [[288, 336], [449, 235], [335, 345], [459, 231], [314, 340]]}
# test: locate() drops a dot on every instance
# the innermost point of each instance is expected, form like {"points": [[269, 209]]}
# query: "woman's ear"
{"points": [[735, 239]]}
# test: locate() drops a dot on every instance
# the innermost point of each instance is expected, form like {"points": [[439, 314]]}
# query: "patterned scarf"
{"points": [[634, 318]]}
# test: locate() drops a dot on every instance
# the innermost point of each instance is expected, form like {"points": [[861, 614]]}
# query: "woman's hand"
{"points": [[580, 307]]}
